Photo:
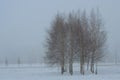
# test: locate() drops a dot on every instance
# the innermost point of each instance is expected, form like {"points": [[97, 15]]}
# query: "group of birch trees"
{"points": [[76, 37]]}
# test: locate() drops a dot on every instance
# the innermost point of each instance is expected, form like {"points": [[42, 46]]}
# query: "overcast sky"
{"points": [[23, 25]]}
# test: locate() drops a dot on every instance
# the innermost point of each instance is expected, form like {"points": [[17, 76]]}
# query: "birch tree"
{"points": [[56, 43], [98, 38]]}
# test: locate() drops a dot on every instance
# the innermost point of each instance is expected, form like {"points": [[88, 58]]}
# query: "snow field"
{"points": [[43, 72]]}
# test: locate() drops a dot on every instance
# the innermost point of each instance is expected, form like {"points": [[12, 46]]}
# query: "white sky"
{"points": [[23, 25]]}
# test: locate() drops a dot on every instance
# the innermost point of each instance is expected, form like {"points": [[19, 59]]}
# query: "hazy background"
{"points": [[23, 25]]}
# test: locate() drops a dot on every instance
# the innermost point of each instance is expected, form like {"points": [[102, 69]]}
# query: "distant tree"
{"points": [[18, 61], [6, 61]]}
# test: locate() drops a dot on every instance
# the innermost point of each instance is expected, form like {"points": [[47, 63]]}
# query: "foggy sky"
{"points": [[23, 25]]}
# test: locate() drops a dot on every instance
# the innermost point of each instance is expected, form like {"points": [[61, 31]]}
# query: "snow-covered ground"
{"points": [[43, 72]]}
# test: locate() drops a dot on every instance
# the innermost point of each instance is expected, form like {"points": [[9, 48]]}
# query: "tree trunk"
{"points": [[92, 64], [62, 64], [88, 63], [82, 64], [71, 63], [62, 69], [96, 69], [71, 68]]}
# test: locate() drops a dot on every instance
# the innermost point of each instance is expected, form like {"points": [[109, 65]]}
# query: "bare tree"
{"points": [[98, 38], [76, 36], [6, 61], [56, 43], [72, 24], [18, 61]]}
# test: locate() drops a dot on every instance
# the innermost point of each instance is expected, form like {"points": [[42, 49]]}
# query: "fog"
{"points": [[24, 25]]}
